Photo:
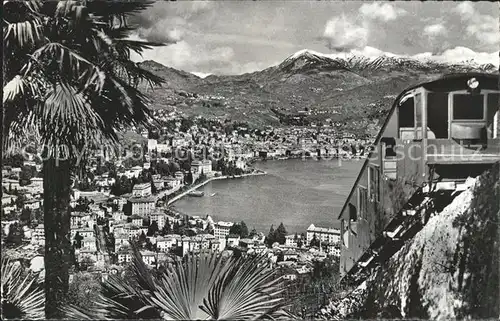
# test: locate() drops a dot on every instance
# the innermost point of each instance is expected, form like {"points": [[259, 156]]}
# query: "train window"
{"points": [[353, 213], [407, 113], [362, 201], [437, 114], [468, 107], [345, 233], [374, 175], [493, 105], [418, 116]]}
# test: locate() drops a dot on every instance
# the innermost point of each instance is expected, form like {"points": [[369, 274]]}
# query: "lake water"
{"points": [[296, 192]]}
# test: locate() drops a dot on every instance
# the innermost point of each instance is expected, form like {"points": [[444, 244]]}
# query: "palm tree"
{"points": [[69, 79], [204, 286], [21, 298]]}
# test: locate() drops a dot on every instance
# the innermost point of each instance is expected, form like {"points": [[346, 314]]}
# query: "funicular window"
{"points": [[374, 175], [493, 106], [418, 116], [468, 107], [437, 114], [345, 233], [362, 201], [407, 113], [353, 218]]}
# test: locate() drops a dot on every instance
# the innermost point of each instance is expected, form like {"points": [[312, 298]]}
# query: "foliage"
{"points": [[83, 289], [21, 296], [240, 229], [199, 287], [15, 236], [78, 240], [270, 239], [314, 241], [280, 234], [26, 216], [69, 82], [152, 229], [122, 185]]}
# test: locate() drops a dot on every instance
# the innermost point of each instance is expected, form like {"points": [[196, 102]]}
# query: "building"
{"points": [[436, 135], [38, 236], [10, 184], [33, 204], [233, 240], [81, 219], [221, 229], [325, 235], [174, 182], [198, 167], [165, 244], [121, 241], [89, 243], [142, 190], [148, 257], [136, 220], [84, 232], [292, 240], [124, 256], [8, 199], [180, 176], [290, 255], [160, 219], [142, 206], [152, 144]]}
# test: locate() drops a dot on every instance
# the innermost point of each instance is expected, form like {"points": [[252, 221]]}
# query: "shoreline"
{"points": [[191, 189], [311, 157]]}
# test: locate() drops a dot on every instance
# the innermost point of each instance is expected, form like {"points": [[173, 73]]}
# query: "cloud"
{"points": [[198, 59], [484, 28], [461, 54], [182, 55], [169, 23], [435, 30], [342, 34], [383, 12], [465, 10]]}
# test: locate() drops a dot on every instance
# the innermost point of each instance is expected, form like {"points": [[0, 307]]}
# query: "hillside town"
{"points": [[101, 233], [117, 201]]}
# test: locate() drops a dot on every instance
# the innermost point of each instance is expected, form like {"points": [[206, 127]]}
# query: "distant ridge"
{"points": [[354, 91]]}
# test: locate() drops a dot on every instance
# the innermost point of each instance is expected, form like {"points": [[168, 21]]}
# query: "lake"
{"points": [[296, 192]]}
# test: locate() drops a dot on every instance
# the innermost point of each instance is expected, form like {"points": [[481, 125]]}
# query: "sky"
{"points": [[235, 37]]}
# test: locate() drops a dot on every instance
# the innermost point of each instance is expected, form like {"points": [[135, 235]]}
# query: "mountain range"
{"points": [[354, 91]]}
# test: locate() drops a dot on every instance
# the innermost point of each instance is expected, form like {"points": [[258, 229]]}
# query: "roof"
{"points": [[225, 224], [147, 199], [80, 214], [448, 82], [324, 230], [142, 186]]}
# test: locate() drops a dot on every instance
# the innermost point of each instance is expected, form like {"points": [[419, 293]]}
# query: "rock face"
{"points": [[448, 270]]}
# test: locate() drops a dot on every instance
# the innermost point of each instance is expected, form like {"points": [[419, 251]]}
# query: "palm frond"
{"points": [[20, 300], [183, 288], [71, 66], [248, 291], [118, 7], [20, 96], [23, 33]]}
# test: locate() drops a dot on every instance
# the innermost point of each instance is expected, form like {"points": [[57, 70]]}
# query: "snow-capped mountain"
{"points": [[378, 60], [354, 88]]}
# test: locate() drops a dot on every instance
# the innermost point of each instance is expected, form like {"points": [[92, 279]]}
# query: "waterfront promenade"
{"points": [[195, 187]]}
